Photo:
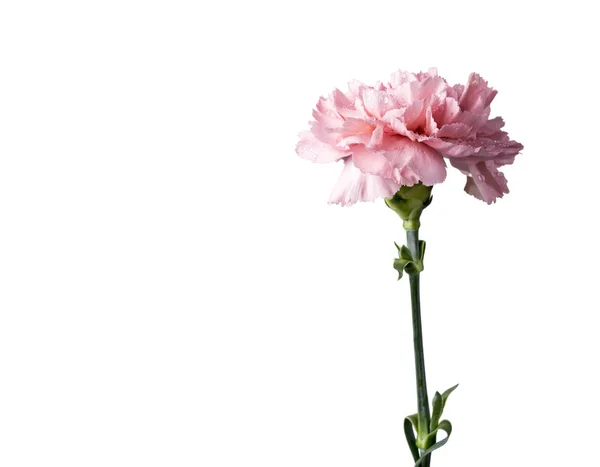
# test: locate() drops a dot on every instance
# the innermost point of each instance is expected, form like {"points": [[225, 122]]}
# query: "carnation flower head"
{"points": [[400, 133]]}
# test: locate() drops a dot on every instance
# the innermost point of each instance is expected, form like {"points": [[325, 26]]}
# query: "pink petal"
{"points": [[371, 161], [355, 126], [377, 102], [430, 124], [354, 185], [486, 182], [344, 143], [327, 119], [324, 133], [458, 90], [477, 95], [395, 119], [326, 106], [447, 112], [355, 88], [426, 163], [376, 137], [430, 86], [505, 148], [414, 115], [400, 77], [491, 126], [412, 161], [314, 150], [452, 148], [341, 101], [454, 130]]}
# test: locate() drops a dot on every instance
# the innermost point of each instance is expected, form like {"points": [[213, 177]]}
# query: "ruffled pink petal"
{"points": [[324, 133], [395, 120], [428, 87], [377, 102], [454, 130], [496, 149], [341, 102], [458, 90], [482, 148], [475, 120], [328, 120], [355, 88], [401, 77], [477, 95], [446, 112], [432, 71], [504, 160], [355, 126], [485, 181], [371, 161], [354, 185], [414, 116], [344, 143], [377, 136], [413, 162], [491, 126], [326, 106], [405, 161], [430, 123], [312, 149], [452, 148]]}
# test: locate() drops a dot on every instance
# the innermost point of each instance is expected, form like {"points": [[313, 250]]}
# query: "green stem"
{"points": [[422, 398]]}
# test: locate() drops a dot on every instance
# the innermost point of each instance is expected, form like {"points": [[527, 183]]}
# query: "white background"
{"points": [[175, 291]]}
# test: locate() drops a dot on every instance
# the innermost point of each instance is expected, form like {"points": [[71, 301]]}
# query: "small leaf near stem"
{"points": [[406, 262]]}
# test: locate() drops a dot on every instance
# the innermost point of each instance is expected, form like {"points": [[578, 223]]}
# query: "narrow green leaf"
{"points": [[446, 394], [399, 265], [436, 413], [414, 419], [409, 423], [405, 253], [445, 426], [421, 249], [414, 267]]}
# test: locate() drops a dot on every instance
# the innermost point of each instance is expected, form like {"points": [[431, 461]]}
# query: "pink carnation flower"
{"points": [[399, 133]]}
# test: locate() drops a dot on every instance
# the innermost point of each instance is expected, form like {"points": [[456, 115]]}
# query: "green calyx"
{"points": [[424, 443], [405, 261], [408, 202]]}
